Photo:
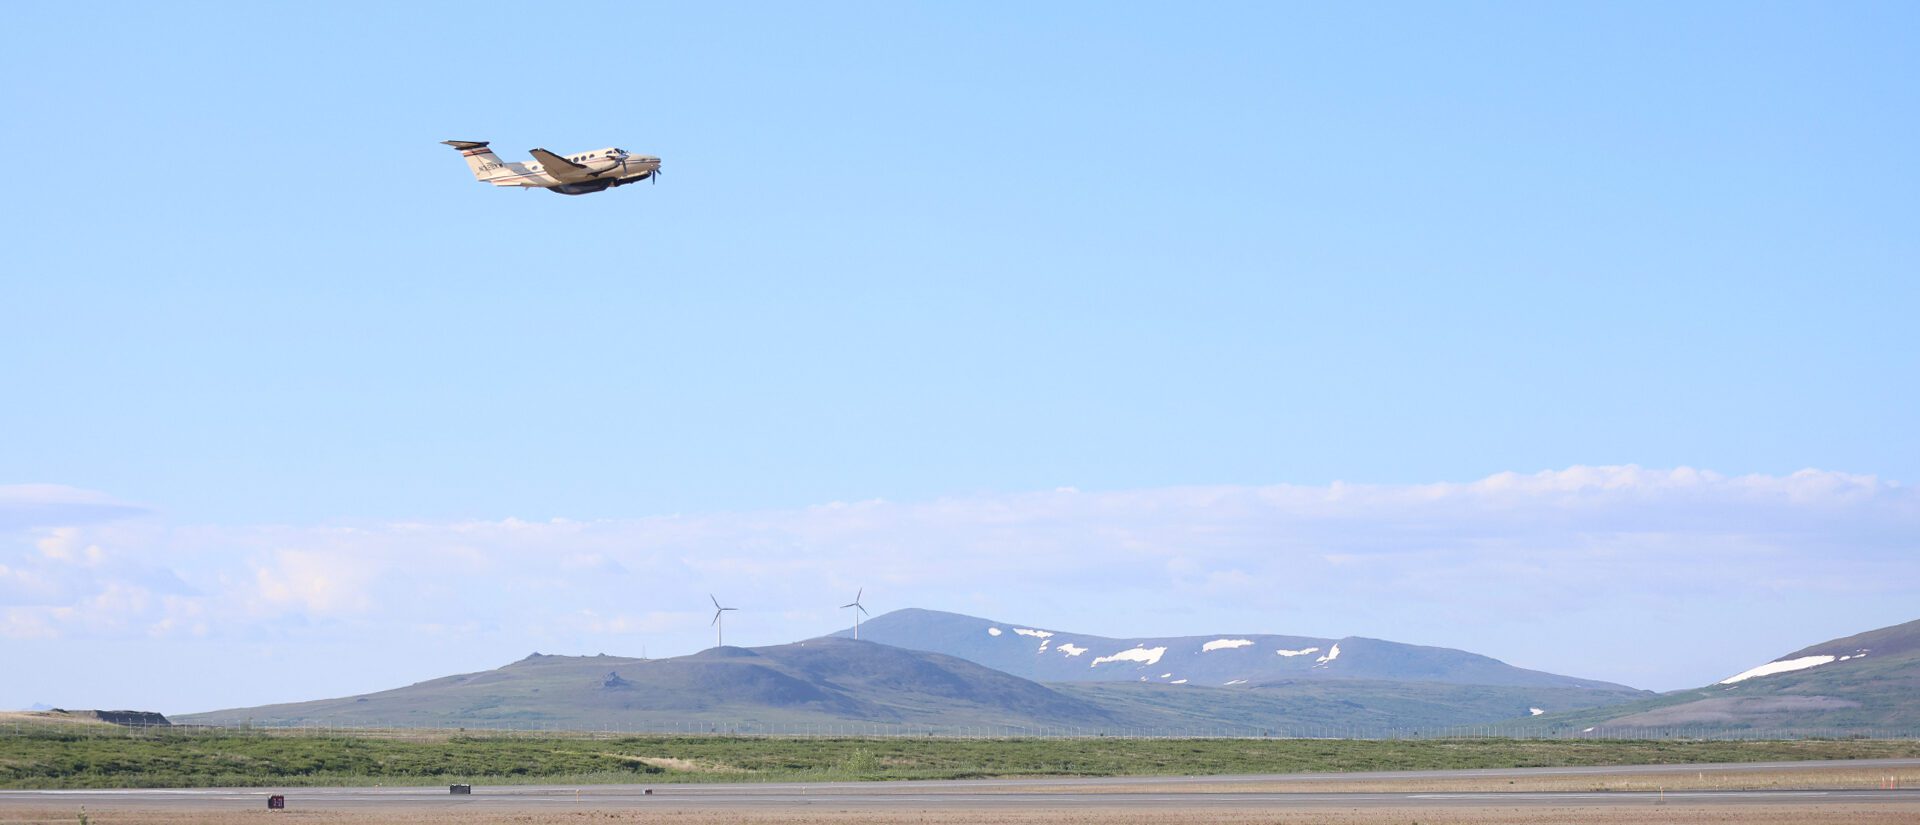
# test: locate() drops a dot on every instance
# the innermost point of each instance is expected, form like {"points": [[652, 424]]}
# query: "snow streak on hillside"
{"points": [[1787, 666], [1224, 644], [1143, 655]]}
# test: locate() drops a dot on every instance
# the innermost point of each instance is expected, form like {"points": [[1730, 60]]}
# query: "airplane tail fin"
{"points": [[484, 163]]}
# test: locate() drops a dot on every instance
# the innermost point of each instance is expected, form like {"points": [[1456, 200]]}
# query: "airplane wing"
{"points": [[567, 171]]}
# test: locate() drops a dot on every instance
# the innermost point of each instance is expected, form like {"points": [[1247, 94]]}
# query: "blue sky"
{"points": [[921, 254]]}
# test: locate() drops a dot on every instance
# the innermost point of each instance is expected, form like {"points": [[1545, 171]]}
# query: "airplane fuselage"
{"points": [[578, 173]]}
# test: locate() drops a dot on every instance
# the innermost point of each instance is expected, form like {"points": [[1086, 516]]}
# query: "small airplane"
{"points": [[578, 174]]}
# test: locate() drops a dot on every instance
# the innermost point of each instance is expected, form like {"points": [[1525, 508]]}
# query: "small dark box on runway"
{"points": [[466, 789], [276, 802]]}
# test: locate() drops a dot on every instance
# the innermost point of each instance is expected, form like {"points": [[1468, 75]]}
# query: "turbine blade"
{"points": [[858, 593], [716, 619], [845, 606], [716, 602], [863, 610]]}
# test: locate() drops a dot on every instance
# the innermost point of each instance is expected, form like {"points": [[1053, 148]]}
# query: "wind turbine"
{"points": [[856, 616], [719, 629]]}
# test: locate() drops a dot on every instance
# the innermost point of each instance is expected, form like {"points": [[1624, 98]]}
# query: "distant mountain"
{"points": [[922, 668], [1857, 684], [820, 681], [1224, 660], [828, 683]]}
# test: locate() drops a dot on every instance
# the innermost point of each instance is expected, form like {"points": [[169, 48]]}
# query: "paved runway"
{"points": [[1160, 792]]}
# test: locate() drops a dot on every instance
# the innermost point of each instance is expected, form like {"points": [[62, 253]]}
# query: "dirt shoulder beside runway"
{"points": [[1839, 778]]}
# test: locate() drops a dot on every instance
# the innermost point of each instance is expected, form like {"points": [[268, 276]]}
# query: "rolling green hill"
{"points": [[1867, 684], [821, 681], [1321, 707]]}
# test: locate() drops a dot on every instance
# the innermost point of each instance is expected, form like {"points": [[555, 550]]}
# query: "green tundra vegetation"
{"points": [[55, 757]]}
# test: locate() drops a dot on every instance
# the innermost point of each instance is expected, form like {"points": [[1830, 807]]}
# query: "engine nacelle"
{"points": [[583, 188], [635, 179]]}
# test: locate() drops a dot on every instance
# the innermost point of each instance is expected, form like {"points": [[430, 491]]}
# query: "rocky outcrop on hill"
{"points": [[128, 718]]}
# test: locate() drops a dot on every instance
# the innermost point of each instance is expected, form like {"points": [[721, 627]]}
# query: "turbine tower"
{"points": [[858, 610], [719, 628]]}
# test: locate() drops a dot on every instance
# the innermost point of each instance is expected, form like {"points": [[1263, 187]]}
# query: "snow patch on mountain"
{"points": [[1071, 649], [1300, 652], [1038, 634], [1331, 655], [1787, 666], [993, 631], [1143, 655], [1534, 711], [1224, 644], [1237, 682], [1178, 682]]}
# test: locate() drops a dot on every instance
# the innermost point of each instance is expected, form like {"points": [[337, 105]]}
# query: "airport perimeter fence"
{"points": [[540, 730]]}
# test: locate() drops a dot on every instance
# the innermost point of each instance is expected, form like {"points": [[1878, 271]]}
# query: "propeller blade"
{"points": [[716, 619], [863, 610], [716, 602], [845, 606]]}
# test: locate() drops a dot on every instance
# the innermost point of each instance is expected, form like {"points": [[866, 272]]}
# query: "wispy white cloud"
{"points": [[24, 506], [1529, 547]]}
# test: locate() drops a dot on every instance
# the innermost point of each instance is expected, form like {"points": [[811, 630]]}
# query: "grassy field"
{"points": [[52, 758]]}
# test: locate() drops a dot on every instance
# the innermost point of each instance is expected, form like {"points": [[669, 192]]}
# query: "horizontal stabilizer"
{"points": [[464, 145]]}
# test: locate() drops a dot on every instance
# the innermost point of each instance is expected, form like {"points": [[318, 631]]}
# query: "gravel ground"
{"points": [[1838, 778]]}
